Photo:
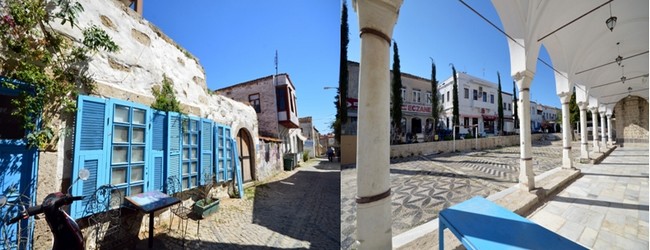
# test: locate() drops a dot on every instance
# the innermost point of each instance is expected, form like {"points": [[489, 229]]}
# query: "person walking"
{"points": [[330, 154]]}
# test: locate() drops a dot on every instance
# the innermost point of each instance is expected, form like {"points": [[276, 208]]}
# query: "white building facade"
{"points": [[478, 105]]}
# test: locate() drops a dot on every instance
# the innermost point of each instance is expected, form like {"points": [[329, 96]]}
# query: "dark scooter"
{"points": [[67, 234]]}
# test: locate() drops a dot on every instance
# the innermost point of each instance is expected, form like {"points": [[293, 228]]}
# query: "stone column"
{"points": [[584, 151], [594, 130], [526, 174], [376, 22], [610, 140], [603, 138], [567, 161]]}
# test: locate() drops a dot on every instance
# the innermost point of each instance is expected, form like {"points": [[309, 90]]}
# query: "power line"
{"points": [[509, 37]]}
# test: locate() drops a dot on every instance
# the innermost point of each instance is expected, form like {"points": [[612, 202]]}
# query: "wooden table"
{"points": [[150, 202], [481, 224]]}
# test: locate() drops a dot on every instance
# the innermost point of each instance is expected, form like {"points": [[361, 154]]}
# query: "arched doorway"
{"points": [[246, 155]]}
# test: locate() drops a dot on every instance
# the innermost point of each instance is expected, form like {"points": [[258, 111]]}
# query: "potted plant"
{"points": [[206, 203]]}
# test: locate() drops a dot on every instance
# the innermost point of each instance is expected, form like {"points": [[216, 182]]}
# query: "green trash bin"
{"points": [[288, 164]]}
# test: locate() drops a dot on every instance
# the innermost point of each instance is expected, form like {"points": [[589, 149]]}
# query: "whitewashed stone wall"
{"points": [[129, 74]]}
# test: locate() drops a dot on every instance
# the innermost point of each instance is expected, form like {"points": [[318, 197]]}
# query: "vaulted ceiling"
{"points": [[581, 47]]}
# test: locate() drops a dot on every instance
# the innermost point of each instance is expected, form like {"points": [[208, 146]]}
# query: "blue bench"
{"points": [[481, 224]]}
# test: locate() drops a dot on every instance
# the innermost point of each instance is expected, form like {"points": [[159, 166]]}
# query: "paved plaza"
{"points": [[607, 208], [424, 185], [294, 210]]}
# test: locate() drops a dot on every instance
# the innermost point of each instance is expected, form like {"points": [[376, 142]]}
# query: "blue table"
{"points": [[481, 224]]}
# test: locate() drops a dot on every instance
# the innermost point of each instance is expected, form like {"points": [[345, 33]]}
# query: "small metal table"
{"points": [[150, 202], [481, 224]]}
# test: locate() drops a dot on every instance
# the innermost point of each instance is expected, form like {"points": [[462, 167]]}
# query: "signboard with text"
{"points": [[353, 103]]}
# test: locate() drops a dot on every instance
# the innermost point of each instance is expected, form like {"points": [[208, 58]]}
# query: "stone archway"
{"points": [[246, 155], [631, 120]]}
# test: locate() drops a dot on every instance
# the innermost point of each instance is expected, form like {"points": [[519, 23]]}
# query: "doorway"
{"points": [[246, 155]]}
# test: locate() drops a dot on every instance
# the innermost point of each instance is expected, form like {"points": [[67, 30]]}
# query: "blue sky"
{"points": [[449, 32], [235, 41]]}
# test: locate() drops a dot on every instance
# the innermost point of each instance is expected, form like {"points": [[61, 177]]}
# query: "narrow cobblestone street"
{"points": [[424, 185], [294, 210]]}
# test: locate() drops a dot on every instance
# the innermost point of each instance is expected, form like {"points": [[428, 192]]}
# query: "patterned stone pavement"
{"points": [[294, 210], [424, 185]]}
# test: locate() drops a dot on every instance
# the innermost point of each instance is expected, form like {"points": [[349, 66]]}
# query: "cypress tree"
{"points": [[340, 101], [500, 107], [435, 101], [456, 115], [396, 83]]}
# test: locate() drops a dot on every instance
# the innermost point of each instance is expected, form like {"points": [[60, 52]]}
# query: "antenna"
{"points": [[275, 82]]}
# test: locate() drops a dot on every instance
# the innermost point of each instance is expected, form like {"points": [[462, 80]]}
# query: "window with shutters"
{"points": [[135, 148]]}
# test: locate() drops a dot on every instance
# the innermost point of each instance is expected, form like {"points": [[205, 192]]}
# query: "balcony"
{"points": [[286, 106]]}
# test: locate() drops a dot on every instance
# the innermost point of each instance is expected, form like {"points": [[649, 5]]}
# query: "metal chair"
{"points": [[105, 217], [183, 212]]}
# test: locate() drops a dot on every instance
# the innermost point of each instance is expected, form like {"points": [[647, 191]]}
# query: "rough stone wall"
{"points": [[631, 120], [267, 118], [270, 161], [145, 55]]}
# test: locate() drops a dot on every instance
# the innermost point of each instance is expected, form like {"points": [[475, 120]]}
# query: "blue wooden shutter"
{"points": [[206, 148], [174, 145], [237, 168], [158, 128], [228, 165], [89, 150], [220, 151]]}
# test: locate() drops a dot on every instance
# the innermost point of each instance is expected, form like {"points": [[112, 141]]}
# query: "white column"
{"points": [[567, 161], [376, 22], [584, 151], [610, 140], [594, 131], [526, 174], [603, 138]]}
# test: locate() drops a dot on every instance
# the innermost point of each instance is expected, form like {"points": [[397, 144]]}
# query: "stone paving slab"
{"points": [[603, 209], [293, 210], [424, 185]]}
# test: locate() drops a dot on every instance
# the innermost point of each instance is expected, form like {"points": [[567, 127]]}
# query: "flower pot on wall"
{"points": [[204, 210]]}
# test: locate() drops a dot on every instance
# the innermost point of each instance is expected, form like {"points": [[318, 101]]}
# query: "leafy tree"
{"points": [[53, 68], [514, 102], [456, 115], [342, 95], [396, 83], [165, 97], [435, 98], [500, 107]]}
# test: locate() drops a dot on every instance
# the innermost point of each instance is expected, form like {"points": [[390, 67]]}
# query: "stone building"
{"points": [[120, 102], [309, 131], [274, 99]]}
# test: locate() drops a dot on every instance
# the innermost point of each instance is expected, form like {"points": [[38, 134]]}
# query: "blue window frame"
{"points": [[190, 167], [128, 144]]}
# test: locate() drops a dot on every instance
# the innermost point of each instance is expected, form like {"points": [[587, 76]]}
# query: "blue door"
{"points": [[18, 167]]}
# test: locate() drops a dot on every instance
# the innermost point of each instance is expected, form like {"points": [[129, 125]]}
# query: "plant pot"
{"points": [[204, 210]]}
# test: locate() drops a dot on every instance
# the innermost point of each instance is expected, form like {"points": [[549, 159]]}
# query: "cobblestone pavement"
{"points": [[294, 210], [424, 185]]}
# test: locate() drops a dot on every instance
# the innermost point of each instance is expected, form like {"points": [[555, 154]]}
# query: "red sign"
{"points": [[353, 103], [416, 108]]}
